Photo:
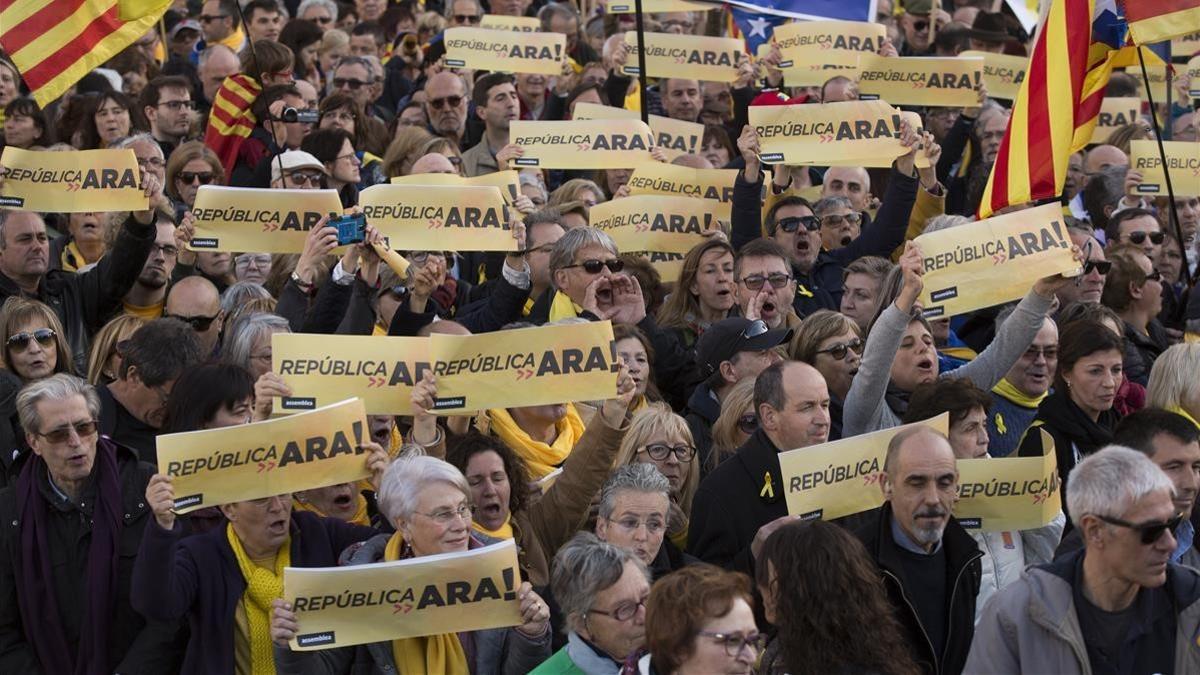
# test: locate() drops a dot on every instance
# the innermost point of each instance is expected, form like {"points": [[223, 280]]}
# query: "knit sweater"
{"points": [[1006, 425]]}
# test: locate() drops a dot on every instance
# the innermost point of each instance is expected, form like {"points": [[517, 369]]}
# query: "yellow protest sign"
{"points": [[439, 217], [1192, 72], [430, 595], [233, 464], [1186, 45], [524, 367], [1002, 73], [948, 82], [505, 50], [841, 478], [77, 181], [858, 133], [596, 111], [509, 181], [521, 24], [813, 51], [1009, 493], [321, 369], [993, 261], [254, 219], [659, 228], [695, 57], [582, 144], [1115, 112], [1183, 163], [648, 6], [676, 137], [670, 179]]}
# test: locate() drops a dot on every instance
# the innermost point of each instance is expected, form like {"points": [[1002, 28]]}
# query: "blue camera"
{"points": [[351, 229]]}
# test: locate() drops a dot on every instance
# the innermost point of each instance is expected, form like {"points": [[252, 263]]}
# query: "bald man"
{"points": [[195, 301], [692, 162], [742, 501], [1096, 160], [434, 162]]}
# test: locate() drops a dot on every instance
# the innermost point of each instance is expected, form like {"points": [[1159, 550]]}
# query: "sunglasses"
{"points": [[748, 424], [838, 351], [594, 266], [811, 223], [209, 18], [756, 328], [920, 26], [63, 434], [446, 102], [342, 82], [198, 323], [20, 341], [301, 178], [1101, 266], [834, 220], [777, 280], [1154, 276], [466, 18], [189, 177], [659, 452], [1151, 532], [1140, 237]]}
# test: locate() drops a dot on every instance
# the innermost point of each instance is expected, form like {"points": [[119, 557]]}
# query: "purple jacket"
{"points": [[198, 577]]}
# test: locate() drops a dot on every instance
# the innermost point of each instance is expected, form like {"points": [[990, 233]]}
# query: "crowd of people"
{"points": [[663, 543]]}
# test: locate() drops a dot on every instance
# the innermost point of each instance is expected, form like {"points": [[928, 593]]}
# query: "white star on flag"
{"points": [[758, 27]]}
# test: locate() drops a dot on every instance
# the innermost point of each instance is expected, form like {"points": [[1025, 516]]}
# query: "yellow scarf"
{"points": [[72, 258], [1180, 411], [431, 653], [148, 312], [505, 531], [528, 307], [562, 307], [262, 587], [639, 403], [1006, 389], [539, 457], [361, 517]]}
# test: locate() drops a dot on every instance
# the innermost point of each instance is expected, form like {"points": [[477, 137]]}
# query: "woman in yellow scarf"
{"points": [[428, 501]]}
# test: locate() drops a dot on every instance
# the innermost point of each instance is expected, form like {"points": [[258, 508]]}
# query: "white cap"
{"points": [[292, 160]]}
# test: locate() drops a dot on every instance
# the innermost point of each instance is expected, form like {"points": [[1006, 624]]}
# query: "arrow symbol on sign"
{"points": [[265, 466], [270, 227], [435, 223], [999, 258], [401, 607]]}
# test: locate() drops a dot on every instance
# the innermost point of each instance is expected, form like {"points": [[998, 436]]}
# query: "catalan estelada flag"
{"points": [[1158, 20], [230, 121], [55, 42], [1059, 101]]}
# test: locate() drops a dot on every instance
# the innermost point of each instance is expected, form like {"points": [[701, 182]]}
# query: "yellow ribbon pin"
{"points": [[803, 291], [1000, 424], [768, 490]]}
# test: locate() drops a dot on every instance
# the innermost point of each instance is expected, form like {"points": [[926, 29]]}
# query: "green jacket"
{"points": [[559, 664]]}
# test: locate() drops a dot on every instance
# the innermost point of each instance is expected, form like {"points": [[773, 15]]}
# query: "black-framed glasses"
{"points": [[209, 18], [755, 282], [20, 341], [354, 84], [190, 177], [1101, 266], [445, 102], [734, 643], [63, 434], [838, 351], [793, 223], [1154, 275], [624, 611], [198, 323], [168, 250], [660, 451], [1150, 532], [594, 266], [920, 26], [835, 219], [748, 423], [1139, 237], [322, 20], [544, 248], [1049, 353], [176, 106]]}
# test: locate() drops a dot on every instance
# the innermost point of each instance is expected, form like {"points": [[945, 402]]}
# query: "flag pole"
{"points": [[641, 43], [1162, 155]]}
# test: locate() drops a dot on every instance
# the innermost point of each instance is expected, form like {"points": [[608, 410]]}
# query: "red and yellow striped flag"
{"points": [[1056, 109], [1157, 20], [56, 42], [231, 121]]}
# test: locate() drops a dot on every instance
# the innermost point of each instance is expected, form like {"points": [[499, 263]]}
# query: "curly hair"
{"points": [[463, 448], [831, 609]]}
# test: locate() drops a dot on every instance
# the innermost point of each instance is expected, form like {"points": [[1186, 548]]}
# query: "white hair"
{"points": [[128, 141], [1175, 379], [945, 221], [641, 477], [327, 4], [404, 478], [1110, 481]]}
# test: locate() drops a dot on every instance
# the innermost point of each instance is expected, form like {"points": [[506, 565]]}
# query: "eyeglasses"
{"points": [[755, 282], [324, 19], [20, 341], [168, 250], [198, 323], [838, 351], [544, 248], [748, 423], [1154, 275], [245, 260], [156, 162], [422, 257], [445, 102], [303, 177], [176, 106], [445, 516], [189, 177], [631, 524], [623, 612], [920, 26], [1101, 266], [660, 451], [1140, 237], [209, 18], [466, 18], [734, 643], [350, 156], [63, 434], [354, 84], [1049, 353], [1151, 532], [756, 328], [594, 266], [810, 223], [833, 220]]}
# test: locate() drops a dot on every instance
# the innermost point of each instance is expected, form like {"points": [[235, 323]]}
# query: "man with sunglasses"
{"points": [[915, 22], [463, 13], [167, 104], [1119, 605], [219, 25], [1134, 290], [446, 106], [75, 512], [195, 301], [297, 170], [1089, 286], [1136, 226]]}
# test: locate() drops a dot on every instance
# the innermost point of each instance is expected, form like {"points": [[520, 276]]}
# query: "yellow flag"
{"points": [[132, 10]]}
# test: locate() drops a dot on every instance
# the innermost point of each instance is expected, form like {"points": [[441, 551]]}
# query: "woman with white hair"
{"points": [[428, 501], [1174, 384]]}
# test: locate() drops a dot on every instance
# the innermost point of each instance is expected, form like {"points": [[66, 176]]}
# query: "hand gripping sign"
{"points": [[233, 464], [1009, 493], [254, 219], [78, 181], [430, 595], [322, 369], [674, 137]]}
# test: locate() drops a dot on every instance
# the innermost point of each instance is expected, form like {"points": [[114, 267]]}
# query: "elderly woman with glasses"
{"points": [[429, 503], [659, 437], [635, 504], [701, 620]]}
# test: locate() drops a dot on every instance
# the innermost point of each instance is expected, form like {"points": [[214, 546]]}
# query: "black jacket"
{"points": [[702, 413], [135, 646], [83, 302], [733, 501], [963, 576], [1141, 350]]}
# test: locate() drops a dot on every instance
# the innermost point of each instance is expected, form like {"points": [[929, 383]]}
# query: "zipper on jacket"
{"points": [[954, 591], [937, 666]]}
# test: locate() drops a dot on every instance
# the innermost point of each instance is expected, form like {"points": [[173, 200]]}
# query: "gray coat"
{"points": [[866, 409], [1032, 626], [498, 651]]}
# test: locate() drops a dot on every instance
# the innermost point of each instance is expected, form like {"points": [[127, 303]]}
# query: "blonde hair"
{"points": [[726, 435], [104, 345], [403, 150], [18, 310], [657, 421], [569, 191], [332, 39], [1173, 380], [817, 328]]}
